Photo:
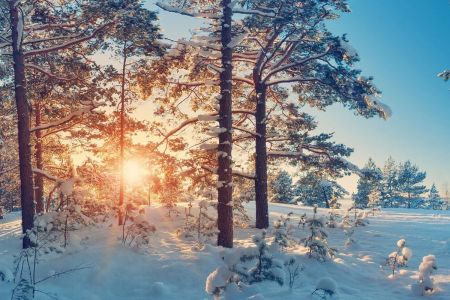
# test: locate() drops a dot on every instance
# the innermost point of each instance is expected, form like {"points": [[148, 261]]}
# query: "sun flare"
{"points": [[134, 172]]}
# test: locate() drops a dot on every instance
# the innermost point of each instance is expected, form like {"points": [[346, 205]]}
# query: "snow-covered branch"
{"points": [[294, 64], [46, 72], [68, 44], [77, 113], [185, 12]]}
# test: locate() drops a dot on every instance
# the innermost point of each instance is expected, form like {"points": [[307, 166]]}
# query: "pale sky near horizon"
{"points": [[404, 44]]}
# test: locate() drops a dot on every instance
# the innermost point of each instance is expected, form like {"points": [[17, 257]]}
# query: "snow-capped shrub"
{"points": [[426, 268], [293, 269], [282, 231], [325, 288], [302, 221], [136, 230], [349, 230], [267, 266], [52, 230], [203, 226], [218, 281], [316, 242], [400, 257], [332, 219]]}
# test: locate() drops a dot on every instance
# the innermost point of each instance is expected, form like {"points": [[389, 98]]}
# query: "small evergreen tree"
{"points": [[282, 188], [316, 242], [400, 257], [434, 200]]}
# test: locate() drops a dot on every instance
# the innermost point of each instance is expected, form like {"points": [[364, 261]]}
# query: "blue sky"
{"points": [[404, 44]]}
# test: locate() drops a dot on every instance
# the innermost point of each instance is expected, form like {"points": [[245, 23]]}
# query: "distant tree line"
{"points": [[393, 186]]}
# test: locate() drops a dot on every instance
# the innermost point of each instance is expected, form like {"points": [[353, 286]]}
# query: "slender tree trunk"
{"points": [[224, 207], [23, 124], [122, 135], [38, 178], [262, 206]]}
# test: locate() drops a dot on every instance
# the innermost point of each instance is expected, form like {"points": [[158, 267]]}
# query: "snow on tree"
{"points": [[410, 182], [132, 38], [219, 49], [315, 189], [425, 284], [374, 200], [445, 75], [282, 188], [369, 181], [389, 185], [316, 242], [282, 231], [202, 226], [268, 266], [434, 200], [399, 259]]}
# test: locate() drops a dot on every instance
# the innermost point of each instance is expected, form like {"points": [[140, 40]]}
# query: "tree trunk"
{"points": [[23, 124], [122, 135], [38, 178], [262, 206], [224, 187]]}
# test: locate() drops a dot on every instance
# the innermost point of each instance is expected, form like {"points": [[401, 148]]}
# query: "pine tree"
{"points": [[434, 200], [316, 189], [389, 185], [132, 39], [282, 188], [410, 182], [369, 181]]}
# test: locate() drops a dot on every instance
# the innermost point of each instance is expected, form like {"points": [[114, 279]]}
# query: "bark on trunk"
{"points": [[262, 206], [38, 178], [224, 207], [23, 124], [122, 136]]}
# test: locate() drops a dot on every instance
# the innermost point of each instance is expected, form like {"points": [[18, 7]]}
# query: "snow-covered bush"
{"points": [[282, 231], [399, 258], [359, 218], [136, 230], [326, 288], [316, 242], [349, 230], [52, 230], [332, 220], [293, 269], [426, 268], [219, 281], [302, 221], [203, 226], [267, 267]]}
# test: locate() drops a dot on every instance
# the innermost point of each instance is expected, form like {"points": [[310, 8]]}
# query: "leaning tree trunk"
{"points": [[38, 178], [262, 206], [122, 136], [23, 124], [224, 188]]}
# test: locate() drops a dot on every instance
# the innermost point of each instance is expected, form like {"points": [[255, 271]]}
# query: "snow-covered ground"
{"points": [[173, 268]]}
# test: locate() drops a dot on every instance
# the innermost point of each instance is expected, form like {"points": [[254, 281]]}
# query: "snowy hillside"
{"points": [[175, 268]]}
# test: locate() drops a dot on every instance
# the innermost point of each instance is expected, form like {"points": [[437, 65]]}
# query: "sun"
{"points": [[134, 172]]}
